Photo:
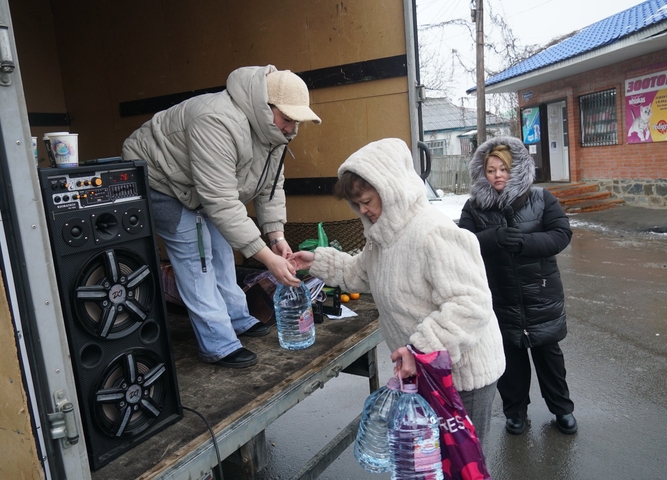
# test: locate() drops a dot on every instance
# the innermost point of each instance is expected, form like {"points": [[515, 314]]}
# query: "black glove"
{"points": [[510, 238]]}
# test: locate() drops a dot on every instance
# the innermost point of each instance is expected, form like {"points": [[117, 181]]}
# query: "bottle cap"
{"points": [[393, 384], [410, 387]]}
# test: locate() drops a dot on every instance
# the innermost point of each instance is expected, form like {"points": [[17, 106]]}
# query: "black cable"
{"points": [[280, 167], [265, 169], [215, 444]]}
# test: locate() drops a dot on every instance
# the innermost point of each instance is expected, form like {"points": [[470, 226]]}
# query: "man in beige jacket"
{"points": [[207, 157]]}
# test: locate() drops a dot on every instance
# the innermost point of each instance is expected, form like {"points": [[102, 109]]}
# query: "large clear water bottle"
{"points": [[371, 447], [414, 438], [294, 317]]}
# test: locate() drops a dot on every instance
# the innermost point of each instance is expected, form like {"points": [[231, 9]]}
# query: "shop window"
{"points": [[598, 119], [437, 147]]}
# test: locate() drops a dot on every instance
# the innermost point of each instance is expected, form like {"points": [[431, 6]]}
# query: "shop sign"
{"points": [[646, 108], [530, 121]]}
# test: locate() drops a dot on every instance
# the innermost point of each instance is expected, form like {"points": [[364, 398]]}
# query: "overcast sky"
{"points": [[535, 22]]}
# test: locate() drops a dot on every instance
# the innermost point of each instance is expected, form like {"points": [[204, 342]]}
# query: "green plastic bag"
{"points": [[309, 245], [312, 243], [322, 240]]}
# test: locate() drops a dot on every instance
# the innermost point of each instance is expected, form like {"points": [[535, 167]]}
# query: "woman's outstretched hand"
{"points": [[302, 260]]}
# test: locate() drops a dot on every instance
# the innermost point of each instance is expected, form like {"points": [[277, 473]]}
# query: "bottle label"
{"points": [[306, 321], [427, 454]]}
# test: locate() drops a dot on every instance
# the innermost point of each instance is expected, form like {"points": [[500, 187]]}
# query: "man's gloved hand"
{"points": [[510, 238]]}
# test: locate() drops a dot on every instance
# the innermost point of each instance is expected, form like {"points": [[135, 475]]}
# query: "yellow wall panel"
{"points": [[310, 34], [19, 453], [374, 88], [34, 33], [178, 46], [302, 208], [388, 119], [173, 46], [352, 116]]}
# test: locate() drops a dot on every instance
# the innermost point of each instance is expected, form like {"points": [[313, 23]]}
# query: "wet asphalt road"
{"points": [[616, 359]]}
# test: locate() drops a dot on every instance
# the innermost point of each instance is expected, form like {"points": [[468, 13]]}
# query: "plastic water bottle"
{"points": [[414, 438], [294, 317], [371, 448]]}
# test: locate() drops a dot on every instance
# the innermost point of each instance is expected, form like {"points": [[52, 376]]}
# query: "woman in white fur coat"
{"points": [[426, 275]]}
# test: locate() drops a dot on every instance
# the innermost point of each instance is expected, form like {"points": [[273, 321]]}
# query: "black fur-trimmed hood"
{"points": [[522, 175]]}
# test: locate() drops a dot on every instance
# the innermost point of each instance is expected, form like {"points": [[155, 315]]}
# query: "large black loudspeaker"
{"points": [[107, 267]]}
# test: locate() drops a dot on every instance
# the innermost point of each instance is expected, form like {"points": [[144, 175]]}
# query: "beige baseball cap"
{"points": [[290, 95]]}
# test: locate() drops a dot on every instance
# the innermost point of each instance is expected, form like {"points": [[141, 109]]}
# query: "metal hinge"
{"points": [[421, 93], [7, 64], [62, 423]]}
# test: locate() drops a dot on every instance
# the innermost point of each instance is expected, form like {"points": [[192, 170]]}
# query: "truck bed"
{"points": [[240, 404]]}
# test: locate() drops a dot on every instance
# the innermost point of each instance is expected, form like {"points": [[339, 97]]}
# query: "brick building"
{"points": [[594, 105]]}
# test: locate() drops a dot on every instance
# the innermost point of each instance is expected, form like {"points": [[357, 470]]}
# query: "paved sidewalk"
{"points": [[624, 219]]}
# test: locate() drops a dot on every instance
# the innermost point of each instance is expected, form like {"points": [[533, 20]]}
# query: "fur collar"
{"points": [[522, 175]]}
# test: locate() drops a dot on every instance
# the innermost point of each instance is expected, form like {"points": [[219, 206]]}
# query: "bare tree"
{"points": [[441, 72]]}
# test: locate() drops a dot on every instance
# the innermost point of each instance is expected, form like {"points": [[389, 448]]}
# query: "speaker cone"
{"points": [[114, 293], [76, 232], [131, 393]]}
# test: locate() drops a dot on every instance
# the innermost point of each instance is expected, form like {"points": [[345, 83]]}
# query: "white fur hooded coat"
{"points": [[426, 275]]}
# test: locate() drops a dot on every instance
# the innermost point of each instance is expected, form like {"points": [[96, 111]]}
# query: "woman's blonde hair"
{"points": [[503, 153]]}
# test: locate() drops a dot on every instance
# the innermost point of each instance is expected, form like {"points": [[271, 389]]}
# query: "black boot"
{"points": [[240, 358], [257, 330], [566, 423], [515, 426]]}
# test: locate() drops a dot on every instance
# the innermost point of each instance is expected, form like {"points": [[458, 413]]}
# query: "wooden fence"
{"points": [[450, 173]]}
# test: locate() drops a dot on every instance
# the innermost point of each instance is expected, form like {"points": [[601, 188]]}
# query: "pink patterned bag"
{"points": [[462, 456]]}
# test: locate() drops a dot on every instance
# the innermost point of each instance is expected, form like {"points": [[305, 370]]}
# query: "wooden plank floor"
{"points": [[223, 395]]}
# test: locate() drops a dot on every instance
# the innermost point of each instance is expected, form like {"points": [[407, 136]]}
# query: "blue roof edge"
{"points": [[597, 35]]}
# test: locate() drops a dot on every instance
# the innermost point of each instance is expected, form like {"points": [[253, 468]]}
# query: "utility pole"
{"points": [[477, 14]]}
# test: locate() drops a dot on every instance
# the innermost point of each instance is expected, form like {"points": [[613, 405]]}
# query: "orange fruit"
{"points": [[344, 298], [354, 296]]}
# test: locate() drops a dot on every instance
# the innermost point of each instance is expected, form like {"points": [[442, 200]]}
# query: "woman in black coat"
{"points": [[520, 229]]}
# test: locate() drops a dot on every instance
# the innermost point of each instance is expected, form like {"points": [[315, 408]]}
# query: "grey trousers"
{"points": [[478, 404]]}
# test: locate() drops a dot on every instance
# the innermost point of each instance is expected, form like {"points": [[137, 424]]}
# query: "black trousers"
{"points": [[514, 385]]}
